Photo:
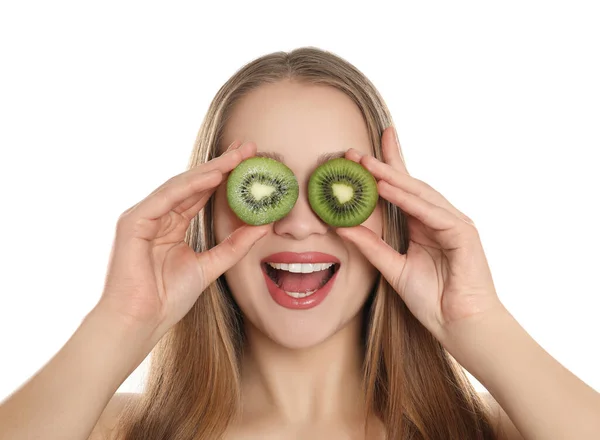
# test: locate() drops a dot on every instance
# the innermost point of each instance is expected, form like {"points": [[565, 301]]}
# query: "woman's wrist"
{"points": [[474, 340], [138, 336]]}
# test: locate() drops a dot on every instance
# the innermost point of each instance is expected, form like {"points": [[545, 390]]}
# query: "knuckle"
{"points": [[231, 243], [185, 181], [469, 220], [126, 225], [125, 214], [125, 219], [236, 155], [466, 219], [169, 182], [469, 229], [165, 192], [192, 182]]}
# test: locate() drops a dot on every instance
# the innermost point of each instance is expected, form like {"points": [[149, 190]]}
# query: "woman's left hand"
{"points": [[444, 277]]}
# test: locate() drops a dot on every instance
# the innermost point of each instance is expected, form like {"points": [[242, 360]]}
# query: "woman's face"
{"points": [[300, 124]]}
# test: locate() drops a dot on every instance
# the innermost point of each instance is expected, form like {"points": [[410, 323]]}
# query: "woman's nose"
{"points": [[301, 222]]}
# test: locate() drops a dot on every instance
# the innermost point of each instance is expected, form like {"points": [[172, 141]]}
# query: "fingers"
{"points": [[192, 205], [389, 262], [173, 194], [429, 214], [408, 184], [220, 258], [383, 171], [392, 154], [353, 155], [394, 172], [191, 183], [230, 159]]}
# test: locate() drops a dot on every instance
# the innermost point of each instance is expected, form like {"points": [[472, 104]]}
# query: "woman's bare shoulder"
{"points": [[108, 418], [503, 426]]}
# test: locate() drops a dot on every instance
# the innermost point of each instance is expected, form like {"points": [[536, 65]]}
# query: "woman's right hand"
{"points": [[154, 277]]}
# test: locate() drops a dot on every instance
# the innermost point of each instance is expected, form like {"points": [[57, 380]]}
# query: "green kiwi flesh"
{"points": [[261, 190], [342, 193]]}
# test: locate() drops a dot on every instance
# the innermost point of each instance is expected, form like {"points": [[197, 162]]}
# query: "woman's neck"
{"points": [[322, 382]]}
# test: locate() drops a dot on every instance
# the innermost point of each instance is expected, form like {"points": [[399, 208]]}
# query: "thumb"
{"points": [[223, 256], [381, 255]]}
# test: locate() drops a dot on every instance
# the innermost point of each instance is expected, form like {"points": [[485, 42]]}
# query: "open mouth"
{"points": [[300, 280]]}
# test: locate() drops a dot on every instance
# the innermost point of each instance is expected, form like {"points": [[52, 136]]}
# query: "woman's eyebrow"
{"points": [[320, 160], [328, 156], [275, 156]]}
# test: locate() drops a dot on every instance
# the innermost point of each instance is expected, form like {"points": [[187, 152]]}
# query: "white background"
{"points": [[496, 104]]}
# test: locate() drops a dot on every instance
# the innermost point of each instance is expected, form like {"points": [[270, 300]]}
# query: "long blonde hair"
{"points": [[410, 383]]}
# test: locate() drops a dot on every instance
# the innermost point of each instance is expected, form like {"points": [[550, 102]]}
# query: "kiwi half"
{"points": [[342, 193], [261, 190]]}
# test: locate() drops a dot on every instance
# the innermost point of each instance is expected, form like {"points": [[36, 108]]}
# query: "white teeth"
{"points": [[300, 294], [296, 267], [301, 267], [324, 266], [307, 268]]}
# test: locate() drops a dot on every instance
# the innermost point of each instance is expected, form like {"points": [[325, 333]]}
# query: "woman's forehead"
{"points": [[291, 119]]}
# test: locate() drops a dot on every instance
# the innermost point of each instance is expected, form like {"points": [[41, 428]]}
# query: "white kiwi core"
{"points": [[260, 190], [343, 193]]}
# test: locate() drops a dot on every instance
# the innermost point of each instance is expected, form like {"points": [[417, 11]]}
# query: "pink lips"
{"points": [[282, 298]]}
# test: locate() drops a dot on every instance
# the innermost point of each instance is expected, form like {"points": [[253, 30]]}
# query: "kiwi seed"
{"points": [[342, 192], [261, 190]]}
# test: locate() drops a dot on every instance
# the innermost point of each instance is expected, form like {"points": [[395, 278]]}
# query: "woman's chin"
{"points": [[296, 334], [296, 326]]}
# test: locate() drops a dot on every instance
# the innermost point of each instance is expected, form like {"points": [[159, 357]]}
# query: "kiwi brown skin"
{"points": [[261, 175], [349, 177]]}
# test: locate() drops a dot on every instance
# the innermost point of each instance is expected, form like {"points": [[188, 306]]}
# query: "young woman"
{"points": [[370, 355]]}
